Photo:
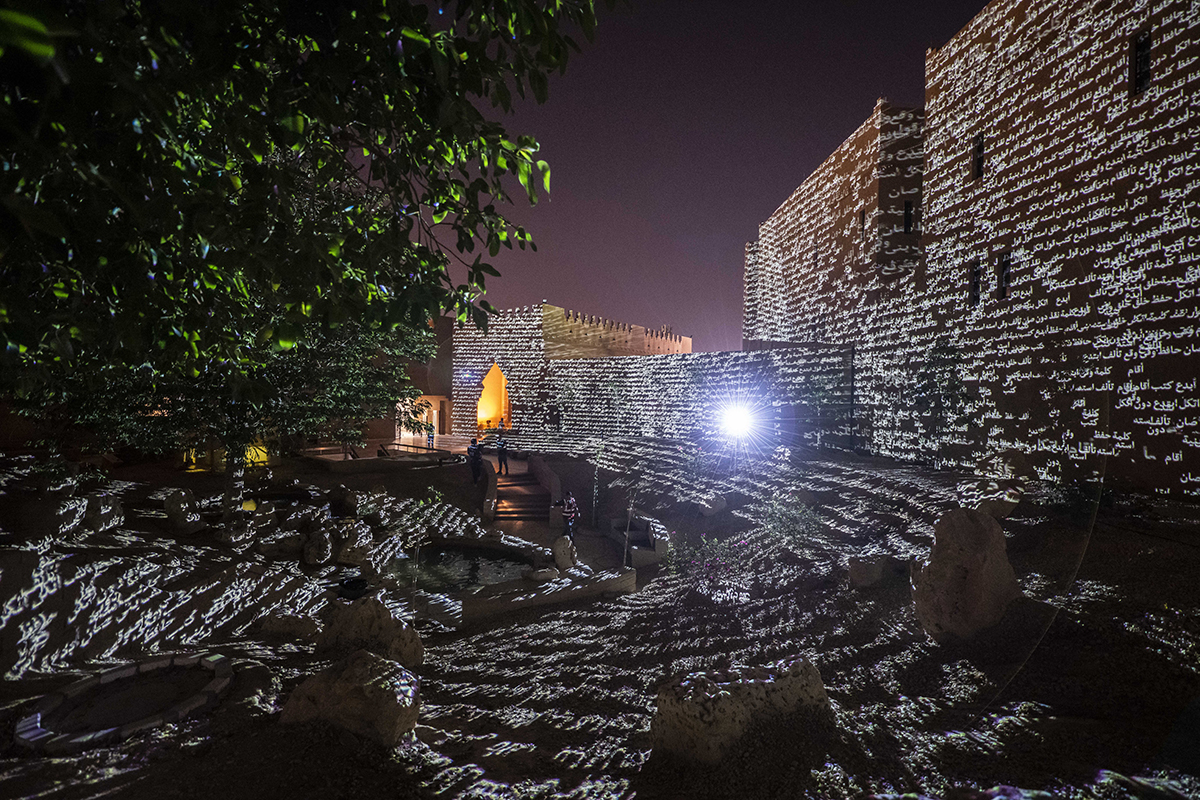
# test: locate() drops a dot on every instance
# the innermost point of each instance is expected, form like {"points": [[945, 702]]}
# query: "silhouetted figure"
{"points": [[570, 512], [429, 439], [475, 459], [502, 456]]}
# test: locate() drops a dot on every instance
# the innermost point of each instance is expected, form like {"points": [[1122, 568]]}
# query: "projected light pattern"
{"points": [[555, 400], [1078, 201]]}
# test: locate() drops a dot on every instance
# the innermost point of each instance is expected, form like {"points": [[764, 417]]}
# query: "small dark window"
{"points": [[975, 274], [977, 157], [908, 216], [1139, 62], [1003, 275], [862, 222]]}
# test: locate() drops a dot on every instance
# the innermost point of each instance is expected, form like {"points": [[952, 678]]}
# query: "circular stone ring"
{"points": [[106, 708]]}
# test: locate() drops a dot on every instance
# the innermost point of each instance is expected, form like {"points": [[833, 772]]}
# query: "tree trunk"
{"points": [[235, 481]]}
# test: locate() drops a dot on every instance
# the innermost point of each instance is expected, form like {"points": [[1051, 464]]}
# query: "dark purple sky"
{"points": [[684, 125]]}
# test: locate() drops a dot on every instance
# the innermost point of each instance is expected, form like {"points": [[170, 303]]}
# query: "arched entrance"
{"points": [[493, 401]]}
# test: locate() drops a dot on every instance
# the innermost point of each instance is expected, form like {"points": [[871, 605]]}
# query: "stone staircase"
{"points": [[520, 497]]}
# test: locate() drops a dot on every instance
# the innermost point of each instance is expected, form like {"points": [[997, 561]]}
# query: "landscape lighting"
{"points": [[737, 422]]}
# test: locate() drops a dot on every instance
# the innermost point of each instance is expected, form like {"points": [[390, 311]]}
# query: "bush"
{"points": [[709, 560], [789, 518]]}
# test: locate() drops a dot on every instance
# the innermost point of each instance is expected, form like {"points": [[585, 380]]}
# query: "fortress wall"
{"points": [[1089, 360]]}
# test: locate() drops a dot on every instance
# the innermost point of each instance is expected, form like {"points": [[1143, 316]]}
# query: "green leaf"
{"points": [[27, 33]]}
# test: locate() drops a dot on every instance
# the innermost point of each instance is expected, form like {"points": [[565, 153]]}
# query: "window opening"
{"points": [[977, 157], [975, 275], [1003, 275], [908, 216], [862, 222], [1139, 62]]}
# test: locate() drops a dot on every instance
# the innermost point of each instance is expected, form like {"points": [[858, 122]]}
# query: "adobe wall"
{"points": [[1090, 362], [673, 396], [1093, 356], [817, 273]]}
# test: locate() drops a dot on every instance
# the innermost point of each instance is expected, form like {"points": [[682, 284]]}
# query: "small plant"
{"points": [[710, 560], [432, 497], [790, 518]]}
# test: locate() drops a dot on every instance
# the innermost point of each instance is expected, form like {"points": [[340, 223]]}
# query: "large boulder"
{"points": [[968, 583], [236, 532], [364, 693], [564, 553], [356, 543], [318, 547], [369, 624], [700, 715], [103, 512], [183, 512]]}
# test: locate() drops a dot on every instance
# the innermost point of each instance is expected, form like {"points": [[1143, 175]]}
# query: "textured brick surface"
{"points": [[1089, 363]]}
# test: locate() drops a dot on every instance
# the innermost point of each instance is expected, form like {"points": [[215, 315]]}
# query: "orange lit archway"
{"points": [[493, 401]]}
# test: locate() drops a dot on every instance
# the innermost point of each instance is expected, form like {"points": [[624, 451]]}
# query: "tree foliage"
{"points": [[329, 385], [190, 185]]}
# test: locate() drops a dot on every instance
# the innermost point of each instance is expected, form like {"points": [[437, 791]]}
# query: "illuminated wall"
{"points": [[672, 395], [1073, 198]]}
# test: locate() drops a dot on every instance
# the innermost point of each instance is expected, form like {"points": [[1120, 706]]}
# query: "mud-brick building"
{"points": [[1051, 302], [556, 376]]}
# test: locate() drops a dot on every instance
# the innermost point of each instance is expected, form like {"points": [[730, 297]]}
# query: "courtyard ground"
{"points": [[1093, 675]]}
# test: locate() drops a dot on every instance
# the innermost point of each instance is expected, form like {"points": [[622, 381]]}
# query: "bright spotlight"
{"points": [[737, 421]]}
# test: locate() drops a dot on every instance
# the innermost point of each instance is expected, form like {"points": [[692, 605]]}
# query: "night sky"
{"points": [[684, 125]]}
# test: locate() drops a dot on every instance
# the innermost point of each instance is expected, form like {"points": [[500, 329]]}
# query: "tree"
{"points": [[185, 182], [329, 385]]}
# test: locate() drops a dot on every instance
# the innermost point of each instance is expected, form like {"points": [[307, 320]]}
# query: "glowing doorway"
{"points": [[493, 401]]}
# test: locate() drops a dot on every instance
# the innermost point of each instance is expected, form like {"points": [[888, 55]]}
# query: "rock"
{"points": [[364, 693], [541, 575], [368, 624], [565, 556], [318, 547], [968, 582], [356, 544], [870, 570], [1006, 465], [48, 515], [994, 498], [713, 505], [183, 512], [344, 502], [699, 716], [236, 532], [263, 517], [280, 625], [103, 512], [281, 545]]}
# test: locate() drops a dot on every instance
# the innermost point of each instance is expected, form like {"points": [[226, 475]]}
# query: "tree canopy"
{"points": [[190, 185]]}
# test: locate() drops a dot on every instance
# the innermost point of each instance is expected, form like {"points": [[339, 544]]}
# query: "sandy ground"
{"points": [[1095, 670]]}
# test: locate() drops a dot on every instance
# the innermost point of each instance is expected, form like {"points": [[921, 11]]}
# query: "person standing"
{"points": [[475, 459], [501, 456], [429, 438], [570, 512]]}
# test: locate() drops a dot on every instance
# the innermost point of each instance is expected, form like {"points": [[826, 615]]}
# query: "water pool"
{"points": [[453, 569]]}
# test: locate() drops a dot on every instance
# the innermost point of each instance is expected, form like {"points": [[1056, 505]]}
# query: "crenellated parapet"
{"points": [[570, 334]]}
